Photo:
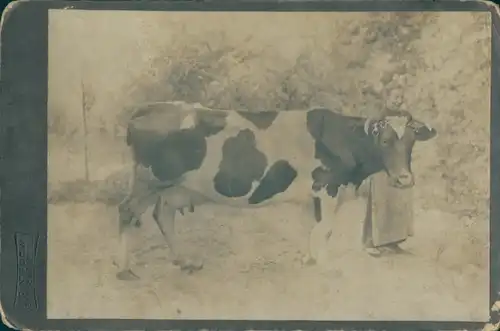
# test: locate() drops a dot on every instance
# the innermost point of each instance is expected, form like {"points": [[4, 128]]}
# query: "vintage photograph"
{"points": [[269, 165]]}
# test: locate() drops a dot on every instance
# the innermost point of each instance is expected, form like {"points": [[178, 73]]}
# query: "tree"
{"points": [[88, 100]]}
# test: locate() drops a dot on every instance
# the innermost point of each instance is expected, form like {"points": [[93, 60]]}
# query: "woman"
{"points": [[389, 217]]}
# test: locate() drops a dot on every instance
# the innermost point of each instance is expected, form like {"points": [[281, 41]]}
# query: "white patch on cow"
{"points": [[255, 184], [286, 139], [367, 126], [328, 203], [189, 121], [234, 121], [182, 105], [322, 231], [398, 123], [186, 106], [198, 105]]}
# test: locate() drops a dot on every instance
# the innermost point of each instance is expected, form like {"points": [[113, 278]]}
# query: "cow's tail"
{"points": [[132, 154], [128, 139]]}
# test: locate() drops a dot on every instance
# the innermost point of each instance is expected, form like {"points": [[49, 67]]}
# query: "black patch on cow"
{"points": [[172, 153], [241, 164], [333, 173], [346, 153], [337, 133], [138, 136], [210, 122], [262, 119], [181, 151], [145, 110], [328, 179], [276, 180], [317, 209]]}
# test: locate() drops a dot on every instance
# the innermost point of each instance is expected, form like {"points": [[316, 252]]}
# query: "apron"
{"points": [[389, 213]]}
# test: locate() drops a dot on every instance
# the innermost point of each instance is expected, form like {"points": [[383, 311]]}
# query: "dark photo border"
{"points": [[23, 162]]}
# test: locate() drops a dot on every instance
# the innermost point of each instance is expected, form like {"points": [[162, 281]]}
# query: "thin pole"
{"points": [[85, 132]]}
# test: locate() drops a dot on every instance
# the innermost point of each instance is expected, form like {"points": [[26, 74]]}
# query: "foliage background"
{"points": [[356, 64]]}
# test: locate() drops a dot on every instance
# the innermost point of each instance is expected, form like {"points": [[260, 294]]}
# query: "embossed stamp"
{"points": [[26, 250]]}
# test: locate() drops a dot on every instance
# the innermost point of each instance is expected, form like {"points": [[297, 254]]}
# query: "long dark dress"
{"points": [[389, 214]]}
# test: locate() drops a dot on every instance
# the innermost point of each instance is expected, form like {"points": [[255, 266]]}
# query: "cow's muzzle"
{"points": [[403, 180]]}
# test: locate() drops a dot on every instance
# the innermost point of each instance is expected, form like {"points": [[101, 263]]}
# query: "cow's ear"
{"points": [[422, 131], [374, 126]]}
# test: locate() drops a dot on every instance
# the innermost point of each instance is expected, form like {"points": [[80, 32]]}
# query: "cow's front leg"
{"points": [[164, 215], [323, 229]]}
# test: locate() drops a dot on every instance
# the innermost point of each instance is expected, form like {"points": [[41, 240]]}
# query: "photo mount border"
{"points": [[23, 162]]}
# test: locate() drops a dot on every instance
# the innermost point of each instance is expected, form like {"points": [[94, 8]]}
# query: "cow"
{"points": [[196, 156]]}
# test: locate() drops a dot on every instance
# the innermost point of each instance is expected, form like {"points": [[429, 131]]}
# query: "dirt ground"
{"points": [[253, 270], [252, 265]]}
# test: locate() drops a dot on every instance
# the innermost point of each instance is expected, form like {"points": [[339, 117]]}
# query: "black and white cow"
{"points": [[197, 156]]}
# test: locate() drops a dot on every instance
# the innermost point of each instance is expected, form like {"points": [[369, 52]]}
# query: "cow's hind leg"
{"points": [[164, 216], [130, 212], [126, 223]]}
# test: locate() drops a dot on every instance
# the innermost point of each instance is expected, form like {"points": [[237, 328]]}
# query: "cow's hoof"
{"points": [[188, 265], [190, 268], [127, 275]]}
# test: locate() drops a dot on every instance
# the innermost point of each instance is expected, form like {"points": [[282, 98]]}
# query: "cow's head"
{"points": [[394, 134]]}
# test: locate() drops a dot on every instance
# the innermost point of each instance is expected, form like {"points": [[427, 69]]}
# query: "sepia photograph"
{"points": [[315, 166]]}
